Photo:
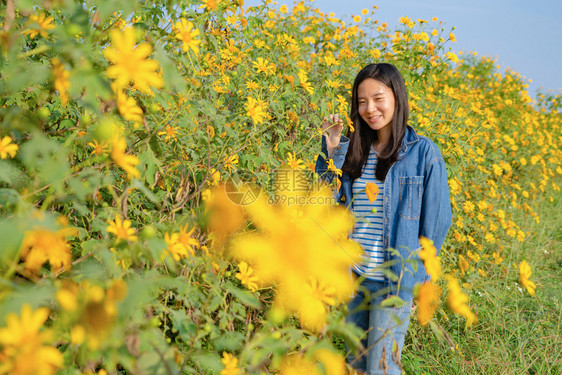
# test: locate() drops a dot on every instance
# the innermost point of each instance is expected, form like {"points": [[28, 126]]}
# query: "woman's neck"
{"points": [[383, 136]]}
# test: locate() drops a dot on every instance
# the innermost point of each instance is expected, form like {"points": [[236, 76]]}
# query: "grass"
{"points": [[515, 333]]}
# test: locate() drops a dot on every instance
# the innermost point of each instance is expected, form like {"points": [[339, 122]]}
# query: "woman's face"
{"points": [[376, 104]]}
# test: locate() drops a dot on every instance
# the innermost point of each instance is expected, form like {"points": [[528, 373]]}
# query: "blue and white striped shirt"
{"points": [[369, 221]]}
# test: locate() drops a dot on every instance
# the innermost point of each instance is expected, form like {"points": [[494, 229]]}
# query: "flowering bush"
{"points": [[122, 250]]}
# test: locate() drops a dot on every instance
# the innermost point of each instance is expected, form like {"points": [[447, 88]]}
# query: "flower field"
{"points": [[128, 245]]}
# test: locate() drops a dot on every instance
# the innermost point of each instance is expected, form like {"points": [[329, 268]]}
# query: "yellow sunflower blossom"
{"points": [[121, 228], [264, 66], [457, 301], [8, 148], [41, 245], [128, 108], [210, 5], [524, 275], [290, 255], [431, 261], [175, 247], [96, 311], [44, 23], [332, 168], [129, 62], [256, 110], [127, 162], [62, 84], [224, 216], [186, 239], [247, 277], [98, 148], [428, 299], [170, 132], [230, 363], [25, 350], [231, 161], [293, 162], [188, 34]]}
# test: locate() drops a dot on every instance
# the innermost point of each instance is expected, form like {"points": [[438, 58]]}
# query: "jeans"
{"points": [[384, 326]]}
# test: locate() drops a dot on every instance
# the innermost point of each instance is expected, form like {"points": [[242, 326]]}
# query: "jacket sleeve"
{"points": [[436, 216], [339, 158]]}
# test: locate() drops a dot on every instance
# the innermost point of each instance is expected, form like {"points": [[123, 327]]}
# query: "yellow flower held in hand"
{"points": [[189, 35], [457, 301], [8, 148], [130, 63], [127, 162], [524, 274], [23, 347], [121, 228]]}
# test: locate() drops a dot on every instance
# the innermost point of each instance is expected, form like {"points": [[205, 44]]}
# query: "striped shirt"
{"points": [[369, 221]]}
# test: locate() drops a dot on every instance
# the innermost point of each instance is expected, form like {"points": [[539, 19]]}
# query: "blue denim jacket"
{"points": [[416, 203]]}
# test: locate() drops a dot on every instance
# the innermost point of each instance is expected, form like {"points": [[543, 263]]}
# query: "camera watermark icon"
{"points": [[241, 188]]}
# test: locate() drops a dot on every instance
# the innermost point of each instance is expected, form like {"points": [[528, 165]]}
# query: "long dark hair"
{"points": [[363, 137]]}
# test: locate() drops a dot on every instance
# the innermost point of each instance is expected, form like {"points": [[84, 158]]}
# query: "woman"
{"points": [[412, 201]]}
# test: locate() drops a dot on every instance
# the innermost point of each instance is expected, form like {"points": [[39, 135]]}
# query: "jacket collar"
{"points": [[410, 137]]}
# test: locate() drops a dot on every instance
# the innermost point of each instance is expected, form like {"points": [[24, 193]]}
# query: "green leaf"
{"points": [[244, 296], [393, 301], [209, 361], [229, 341]]}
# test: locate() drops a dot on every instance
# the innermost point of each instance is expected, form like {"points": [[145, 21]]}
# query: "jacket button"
{"points": [[339, 148]]}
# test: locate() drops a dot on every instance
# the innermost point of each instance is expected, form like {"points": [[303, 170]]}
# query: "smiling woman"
{"points": [[412, 202]]}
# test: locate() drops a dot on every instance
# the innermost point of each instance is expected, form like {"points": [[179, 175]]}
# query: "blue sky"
{"points": [[523, 35]]}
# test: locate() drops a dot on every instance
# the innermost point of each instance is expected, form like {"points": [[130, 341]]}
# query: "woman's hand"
{"points": [[332, 127]]}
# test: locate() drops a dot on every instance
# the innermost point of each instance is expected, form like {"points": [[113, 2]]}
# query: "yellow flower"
{"points": [[230, 363], [332, 167], [23, 347], [186, 32], [428, 300], [121, 228], [263, 66], [457, 301], [175, 247], [128, 108], [97, 312], [247, 277], [256, 110], [186, 239], [372, 190], [283, 9], [210, 4], [293, 162], [42, 245], [127, 162], [365, 11], [312, 244], [231, 161], [333, 363], [297, 364], [44, 23], [431, 261], [99, 148], [8, 148], [62, 84], [524, 274], [225, 217], [170, 132], [463, 264], [130, 63], [215, 176]]}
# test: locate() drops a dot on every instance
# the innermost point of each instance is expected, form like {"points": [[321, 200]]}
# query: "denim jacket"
{"points": [[416, 203]]}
